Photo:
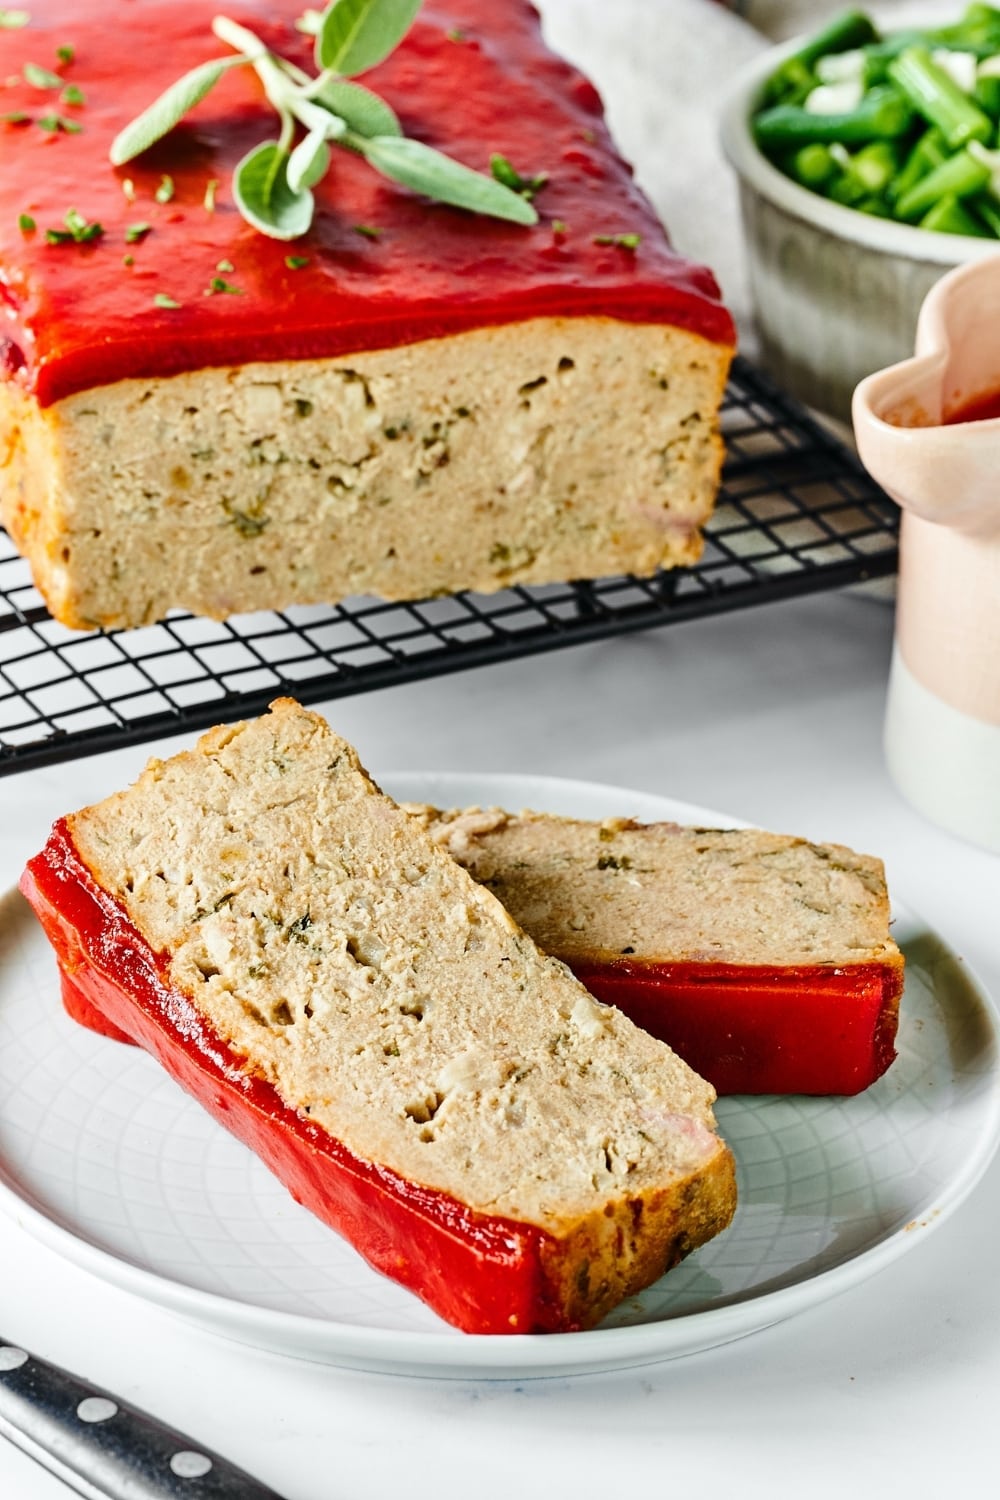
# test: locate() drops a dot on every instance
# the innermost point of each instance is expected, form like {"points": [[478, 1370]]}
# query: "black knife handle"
{"points": [[103, 1448]]}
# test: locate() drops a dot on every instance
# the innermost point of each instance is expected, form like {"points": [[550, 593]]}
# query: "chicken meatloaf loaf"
{"points": [[415, 400], [302, 956], [764, 960]]}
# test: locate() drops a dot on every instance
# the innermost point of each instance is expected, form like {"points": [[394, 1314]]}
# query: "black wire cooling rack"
{"points": [[797, 514]]}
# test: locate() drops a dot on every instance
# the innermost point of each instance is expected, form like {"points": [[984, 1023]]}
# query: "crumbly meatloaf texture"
{"points": [[542, 451], [663, 893], [386, 994]]}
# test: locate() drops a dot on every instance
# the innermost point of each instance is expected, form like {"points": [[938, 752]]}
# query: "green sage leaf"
{"points": [[169, 109], [428, 171], [361, 110], [308, 162], [263, 196], [356, 34]]}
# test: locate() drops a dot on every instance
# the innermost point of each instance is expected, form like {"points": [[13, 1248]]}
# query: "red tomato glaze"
{"points": [[472, 78], [483, 1273], [754, 1030]]}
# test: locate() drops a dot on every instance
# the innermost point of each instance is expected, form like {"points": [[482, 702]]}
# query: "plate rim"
{"points": [[452, 1354]]}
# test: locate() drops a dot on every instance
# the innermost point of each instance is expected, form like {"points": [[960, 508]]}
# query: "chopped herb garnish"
{"points": [[78, 230], [65, 53], [72, 95], [527, 187], [26, 224], [296, 262], [16, 117], [211, 188], [456, 34], [272, 183], [128, 260], [218, 285], [225, 265], [249, 523], [309, 22], [54, 123], [41, 78], [136, 232], [558, 227], [128, 188], [369, 231], [165, 191], [13, 20], [162, 300], [609, 862], [623, 241]]}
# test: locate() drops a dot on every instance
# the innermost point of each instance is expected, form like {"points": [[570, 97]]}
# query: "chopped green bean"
{"points": [[876, 165], [929, 152], [880, 54], [813, 167], [935, 95], [878, 208], [847, 190], [949, 216], [977, 31], [987, 94], [986, 208], [883, 113], [845, 32], [959, 177]]}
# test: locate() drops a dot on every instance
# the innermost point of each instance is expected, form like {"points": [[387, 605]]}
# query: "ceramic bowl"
{"points": [[836, 292], [943, 709]]}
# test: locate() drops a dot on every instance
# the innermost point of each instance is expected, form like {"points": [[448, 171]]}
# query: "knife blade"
{"points": [[104, 1448]]}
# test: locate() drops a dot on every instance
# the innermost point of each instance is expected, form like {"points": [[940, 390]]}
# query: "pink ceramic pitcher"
{"points": [[943, 713]]}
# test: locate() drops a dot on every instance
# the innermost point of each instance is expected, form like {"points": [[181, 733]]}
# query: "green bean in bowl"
{"points": [[903, 125]]}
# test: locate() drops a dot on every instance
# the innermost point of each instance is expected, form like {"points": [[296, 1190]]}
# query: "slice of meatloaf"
{"points": [[339, 992], [765, 960]]}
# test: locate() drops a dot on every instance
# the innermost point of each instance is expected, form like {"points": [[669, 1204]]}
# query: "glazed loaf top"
{"points": [[664, 893], [384, 266], [380, 989]]}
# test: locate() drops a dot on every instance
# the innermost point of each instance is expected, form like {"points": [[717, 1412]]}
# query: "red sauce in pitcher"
{"points": [[985, 408]]}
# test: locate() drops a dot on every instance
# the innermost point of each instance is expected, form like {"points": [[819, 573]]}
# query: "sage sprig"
{"points": [[272, 184]]}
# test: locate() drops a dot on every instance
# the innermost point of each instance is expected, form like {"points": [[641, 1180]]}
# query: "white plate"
{"points": [[104, 1159]]}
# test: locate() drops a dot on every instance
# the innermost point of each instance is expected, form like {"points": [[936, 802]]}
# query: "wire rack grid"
{"points": [[797, 514]]}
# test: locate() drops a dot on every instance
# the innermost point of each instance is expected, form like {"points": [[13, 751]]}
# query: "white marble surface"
{"points": [[773, 715]]}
